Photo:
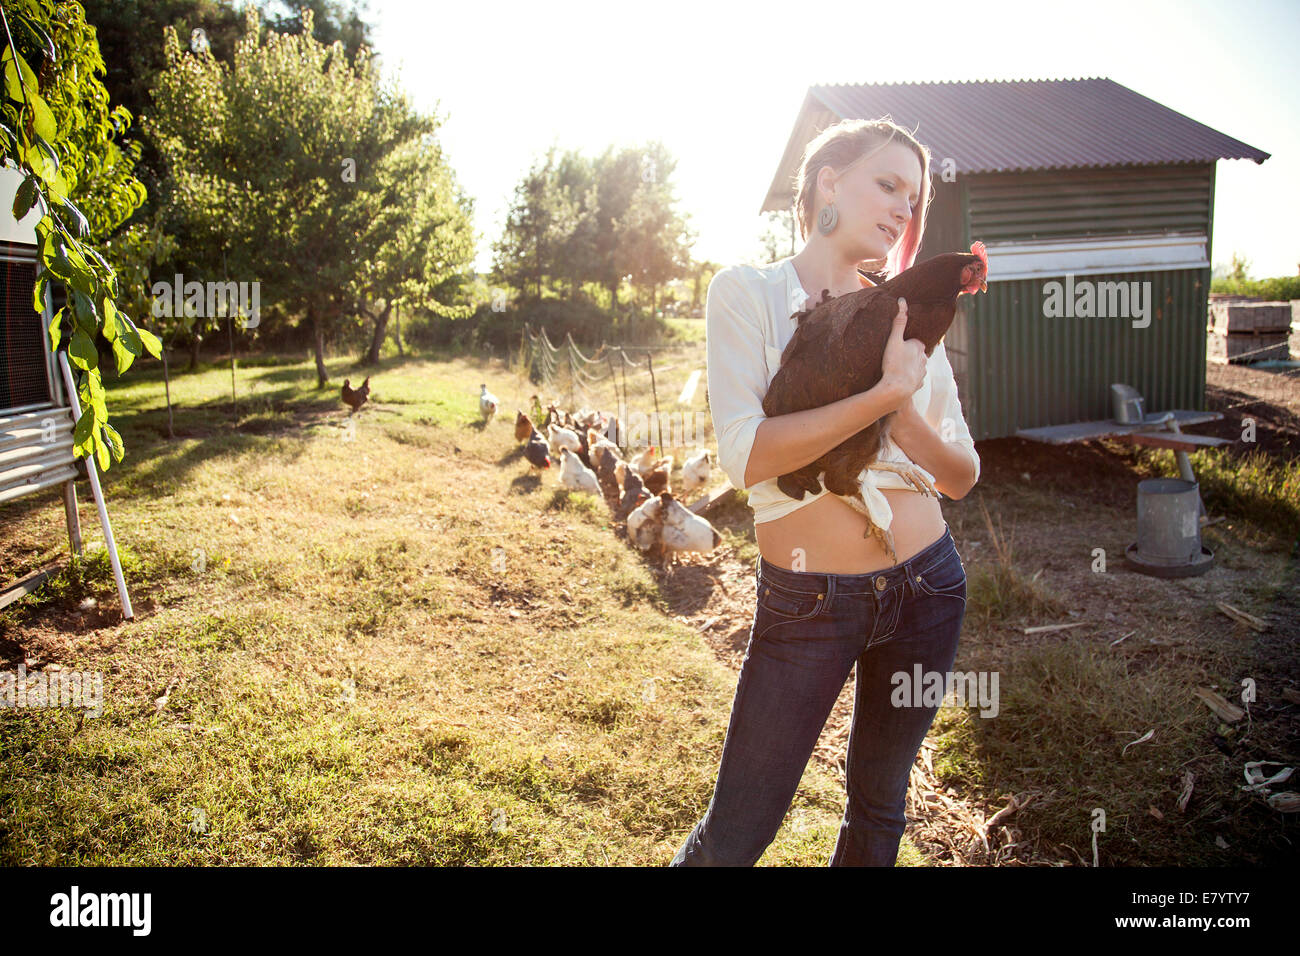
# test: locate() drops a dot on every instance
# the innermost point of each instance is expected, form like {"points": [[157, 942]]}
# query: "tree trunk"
{"points": [[397, 317], [318, 346], [167, 388], [195, 341], [377, 340]]}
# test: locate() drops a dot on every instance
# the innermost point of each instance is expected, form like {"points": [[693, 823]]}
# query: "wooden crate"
{"points": [[1243, 348], [1229, 318]]}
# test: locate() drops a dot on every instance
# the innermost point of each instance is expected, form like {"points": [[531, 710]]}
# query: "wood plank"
{"points": [[1086, 431], [20, 589], [1174, 442], [712, 498]]}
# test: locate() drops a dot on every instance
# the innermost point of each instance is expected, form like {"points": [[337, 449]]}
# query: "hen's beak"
{"points": [[984, 286]]}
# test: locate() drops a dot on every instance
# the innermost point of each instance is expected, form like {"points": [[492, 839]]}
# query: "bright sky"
{"points": [[721, 84]]}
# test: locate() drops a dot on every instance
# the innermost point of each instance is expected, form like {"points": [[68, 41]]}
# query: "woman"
{"points": [[830, 597]]}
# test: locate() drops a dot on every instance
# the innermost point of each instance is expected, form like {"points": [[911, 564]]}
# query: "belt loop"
{"points": [[830, 591]]}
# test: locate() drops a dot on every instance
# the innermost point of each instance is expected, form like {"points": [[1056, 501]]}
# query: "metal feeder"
{"points": [[1169, 530]]}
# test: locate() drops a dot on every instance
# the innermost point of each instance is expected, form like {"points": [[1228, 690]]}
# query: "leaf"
{"points": [[110, 319], [115, 441], [84, 309], [42, 119], [13, 87], [38, 291], [83, 227], [25, 198], [95, 388], [81, 435], [81, 350], [126, 348], [56, 330], [151, 342], [101, 450]]}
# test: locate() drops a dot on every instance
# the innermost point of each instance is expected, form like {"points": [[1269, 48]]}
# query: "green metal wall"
{"points": [[1017, 369], [1118, 200], [1025, 370]]}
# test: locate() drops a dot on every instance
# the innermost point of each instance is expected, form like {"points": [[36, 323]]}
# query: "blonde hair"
{"points": [[844, 145]]}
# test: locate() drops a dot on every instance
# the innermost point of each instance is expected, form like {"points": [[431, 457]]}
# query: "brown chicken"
{"points": [[656, 478], [354, 398], [523, 426], [837, 351]]}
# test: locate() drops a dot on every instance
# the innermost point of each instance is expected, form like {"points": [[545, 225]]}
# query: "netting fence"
{"points": [[597, 379]]}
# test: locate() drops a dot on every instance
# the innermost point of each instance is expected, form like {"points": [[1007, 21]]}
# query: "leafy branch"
{"points": [[53, 153]]}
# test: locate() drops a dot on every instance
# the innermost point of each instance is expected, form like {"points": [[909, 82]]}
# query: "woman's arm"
{"points": [[949, 452], [954, 472], [786, 442]]}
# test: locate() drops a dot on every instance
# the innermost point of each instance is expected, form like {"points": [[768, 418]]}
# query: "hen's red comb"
{"points": [[977, 248]]}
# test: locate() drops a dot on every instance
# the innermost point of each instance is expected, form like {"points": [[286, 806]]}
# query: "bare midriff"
{"points": [[830, 534]]}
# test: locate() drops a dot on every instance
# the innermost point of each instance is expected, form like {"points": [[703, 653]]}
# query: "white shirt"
{"points": [[747, 325]]}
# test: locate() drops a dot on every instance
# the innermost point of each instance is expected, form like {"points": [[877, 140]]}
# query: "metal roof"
{"points": [[988, 126]]}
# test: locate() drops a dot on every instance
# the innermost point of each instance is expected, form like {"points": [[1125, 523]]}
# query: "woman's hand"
{"points": [[904, 363]]}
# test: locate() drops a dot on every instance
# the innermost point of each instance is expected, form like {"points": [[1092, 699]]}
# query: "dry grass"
{"points": [[391, 646]]}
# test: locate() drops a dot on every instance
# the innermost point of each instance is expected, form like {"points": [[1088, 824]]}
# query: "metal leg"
{"points": [[70, 511], [1185, 467], [93, 474]]}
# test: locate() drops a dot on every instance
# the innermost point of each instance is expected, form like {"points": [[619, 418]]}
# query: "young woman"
{"points": [[829, 597]]}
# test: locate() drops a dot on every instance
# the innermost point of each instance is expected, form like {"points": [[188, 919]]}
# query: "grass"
{"points": [[385, 646], [390, 643]]}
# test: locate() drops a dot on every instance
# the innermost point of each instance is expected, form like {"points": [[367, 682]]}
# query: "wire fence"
{"points": [[588, 379]]}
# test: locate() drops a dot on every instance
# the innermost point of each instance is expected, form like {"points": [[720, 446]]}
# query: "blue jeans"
{"points": [[809, 629]]}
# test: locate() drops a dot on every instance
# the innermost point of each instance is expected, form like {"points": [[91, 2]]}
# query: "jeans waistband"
{"points": [[814, 582]]}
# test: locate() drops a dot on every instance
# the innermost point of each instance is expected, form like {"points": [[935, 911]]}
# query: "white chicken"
{"points": [[596, 441], [645, 462], [666, 522], [576, 476], [487, 403], [645, 524], [696, 471], [686, 531], [563, 438]]}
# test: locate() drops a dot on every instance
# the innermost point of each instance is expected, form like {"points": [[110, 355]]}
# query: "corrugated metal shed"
{"points": [[1011, 125], [1061, 179]]}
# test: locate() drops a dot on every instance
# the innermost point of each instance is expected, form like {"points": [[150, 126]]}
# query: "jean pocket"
{"points": [[945, 578], [782, 605]]}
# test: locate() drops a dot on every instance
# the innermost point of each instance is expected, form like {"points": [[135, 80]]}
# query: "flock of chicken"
{"points": [[636, 489]]}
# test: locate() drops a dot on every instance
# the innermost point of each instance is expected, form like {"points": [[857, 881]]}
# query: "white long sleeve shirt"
{"points": [[747, 325]]}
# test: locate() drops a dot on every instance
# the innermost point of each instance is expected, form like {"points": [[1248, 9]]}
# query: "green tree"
{"points": [[276, 168], [605, 222], [420, 244]]}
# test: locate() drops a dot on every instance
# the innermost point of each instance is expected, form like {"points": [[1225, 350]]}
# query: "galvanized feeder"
{"points": [[1169, 530]]}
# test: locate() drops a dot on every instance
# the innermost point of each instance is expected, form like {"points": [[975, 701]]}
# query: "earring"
{"points": [[827, 219]]}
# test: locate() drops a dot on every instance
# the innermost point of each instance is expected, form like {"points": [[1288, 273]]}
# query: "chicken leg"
{"points": [[884, 536], [909, 473]]}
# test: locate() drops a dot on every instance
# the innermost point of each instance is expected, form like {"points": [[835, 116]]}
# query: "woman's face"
{"points": [[879, 194]]}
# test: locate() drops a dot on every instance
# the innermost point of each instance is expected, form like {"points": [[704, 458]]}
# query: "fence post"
{"points": [[655, 392]]}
